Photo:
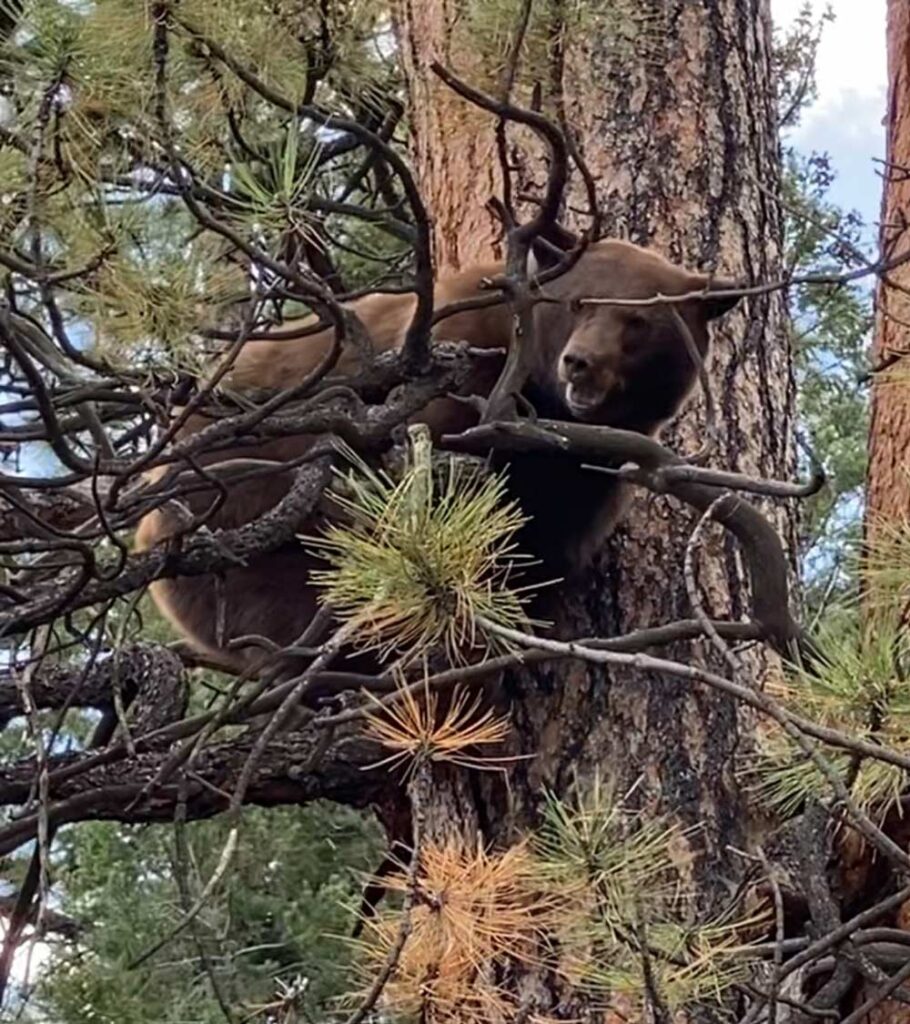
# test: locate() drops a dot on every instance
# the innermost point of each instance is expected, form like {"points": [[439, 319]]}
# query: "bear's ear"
{"points": [[714, 305], [549, 247]]}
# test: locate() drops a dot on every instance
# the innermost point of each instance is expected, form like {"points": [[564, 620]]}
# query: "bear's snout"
{"points": [[588, 380], [575, 365]]}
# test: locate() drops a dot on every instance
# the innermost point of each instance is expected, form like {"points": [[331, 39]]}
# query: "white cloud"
{"points": [[846, 119], [851, 58]]}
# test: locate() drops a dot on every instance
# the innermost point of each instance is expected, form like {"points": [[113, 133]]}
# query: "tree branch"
{"points": [[762, 548]]}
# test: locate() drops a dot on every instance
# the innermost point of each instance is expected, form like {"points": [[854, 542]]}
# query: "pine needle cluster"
{"points": [[88, 159], [885, 567], [273, 191], [151, 312], [861, 687], [416, 562], [621, 932], [475, 913], [415, 728], [578, 901]]}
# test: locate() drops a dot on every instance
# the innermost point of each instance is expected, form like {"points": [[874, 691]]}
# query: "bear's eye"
{"points": [[636, 321]]}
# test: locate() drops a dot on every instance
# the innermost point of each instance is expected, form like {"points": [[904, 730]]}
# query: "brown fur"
{"points": [[617, 366]]}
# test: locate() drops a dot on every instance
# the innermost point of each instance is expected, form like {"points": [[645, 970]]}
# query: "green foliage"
{"points": [[97, 192], [417, 562], [592, 893], [860, 687], [423, 557], [620, 873], [370, 258], [831, 333], [794, 62], [282, 914], [595, 839], [274, 191], [831, 326], [886, 564], [103, 195], [147, 310]]}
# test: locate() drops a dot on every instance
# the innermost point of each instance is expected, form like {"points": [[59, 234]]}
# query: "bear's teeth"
{"points": [[579, 403]]}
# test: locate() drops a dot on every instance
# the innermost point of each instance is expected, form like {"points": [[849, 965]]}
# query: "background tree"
{"points": [[888, 483], [888, 438], [831, 334]]}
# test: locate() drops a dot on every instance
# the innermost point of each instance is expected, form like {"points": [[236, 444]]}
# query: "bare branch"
{"points": [[768, 569]]}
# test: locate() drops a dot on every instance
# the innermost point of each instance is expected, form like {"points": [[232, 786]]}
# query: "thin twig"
{"points": [[418, 784], [779, 933], [280, 718], [795, 726], [695, 599]]}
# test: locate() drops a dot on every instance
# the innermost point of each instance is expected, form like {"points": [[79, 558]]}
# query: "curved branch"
{"points": [[762, 548], [146, 675]]}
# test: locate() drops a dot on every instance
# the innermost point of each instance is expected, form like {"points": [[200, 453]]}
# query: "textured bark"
{"points": [[678, 128], [888, 479], [296, 768], [150, 679], [453, 147], [61, 509], [889, 437], [681, 140]]}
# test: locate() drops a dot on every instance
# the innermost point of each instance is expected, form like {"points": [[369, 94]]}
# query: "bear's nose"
{"points": [[575, 365]]}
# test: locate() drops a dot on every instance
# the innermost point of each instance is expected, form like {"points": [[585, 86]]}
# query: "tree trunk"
{"points": [[453, 146], [888, 479], [889, 436], [676, 121]]}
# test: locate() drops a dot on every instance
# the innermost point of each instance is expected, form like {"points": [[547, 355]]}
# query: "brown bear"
{"points": [[620, 366]]}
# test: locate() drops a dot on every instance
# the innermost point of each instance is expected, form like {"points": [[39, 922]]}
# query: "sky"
{"points": [[846, 120]]}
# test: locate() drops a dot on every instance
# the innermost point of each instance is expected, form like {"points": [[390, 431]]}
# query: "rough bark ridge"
{"points": [[678, 128], [683, 145], [453, 146], [888, 473], [889, 436]]}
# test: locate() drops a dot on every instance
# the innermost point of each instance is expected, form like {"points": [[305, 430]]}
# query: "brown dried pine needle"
{"points": [[413, 728]]}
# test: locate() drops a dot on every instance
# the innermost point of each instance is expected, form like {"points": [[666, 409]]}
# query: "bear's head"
{"points": [[626, 366]]}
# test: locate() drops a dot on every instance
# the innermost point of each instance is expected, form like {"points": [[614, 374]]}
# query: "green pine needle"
{"points": [[886, 563], [860, 686], [415, 563], [618, 854], [273, 194], [617, 871]]}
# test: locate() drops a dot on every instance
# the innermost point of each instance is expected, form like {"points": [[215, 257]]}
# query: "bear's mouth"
{"points": [[582, 402]]}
